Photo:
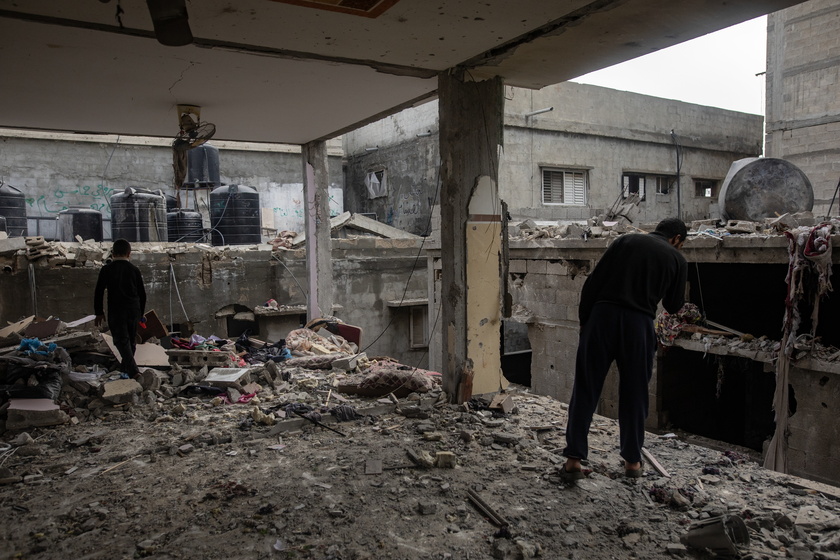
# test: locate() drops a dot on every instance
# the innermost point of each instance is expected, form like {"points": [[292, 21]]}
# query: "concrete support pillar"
{"points": [[317, 225], [471, 124]]}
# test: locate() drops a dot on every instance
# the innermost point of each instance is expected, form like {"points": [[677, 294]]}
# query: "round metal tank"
{"points": [[235, 215], [758, 188], [138, 215], [184, 225], [13, 208], [81, 221]]}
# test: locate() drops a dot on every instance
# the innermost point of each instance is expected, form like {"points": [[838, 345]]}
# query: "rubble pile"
{"points": [[280, 476], [601, 226]]}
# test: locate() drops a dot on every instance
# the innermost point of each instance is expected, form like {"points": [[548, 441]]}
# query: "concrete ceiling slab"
{"points": [[287, 72]]}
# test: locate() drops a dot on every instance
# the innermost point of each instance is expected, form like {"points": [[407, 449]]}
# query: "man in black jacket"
{"points": [[617, 307], [126, 303]]}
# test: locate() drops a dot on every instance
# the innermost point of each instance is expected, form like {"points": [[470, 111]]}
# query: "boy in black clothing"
{"points": [[126, 303]]}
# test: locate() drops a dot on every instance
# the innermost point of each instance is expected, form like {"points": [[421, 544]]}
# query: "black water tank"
{"points": [[758, 188], [203, 165], [81, 221], [138, 215], [235, 215], [185, 226], [13, 208], [172, 204]]}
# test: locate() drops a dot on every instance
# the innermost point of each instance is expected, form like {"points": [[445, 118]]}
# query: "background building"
{"points": [[571, 151], [803, 108]]}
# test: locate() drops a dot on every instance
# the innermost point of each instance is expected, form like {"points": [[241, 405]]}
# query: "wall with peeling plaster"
{"points": [[56, 171], [739, 278]]}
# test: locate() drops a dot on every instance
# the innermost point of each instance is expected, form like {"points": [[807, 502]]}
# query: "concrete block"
{"points": [[121, 390], [12, 245], [740, 226], [537, 267], [348, 363], [445, 460], [557, 268], [518, 266], [228, 377], [27, 413]]}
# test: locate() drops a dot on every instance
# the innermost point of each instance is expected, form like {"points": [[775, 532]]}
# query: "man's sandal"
{"points": [[571, 476], [635, 473]]}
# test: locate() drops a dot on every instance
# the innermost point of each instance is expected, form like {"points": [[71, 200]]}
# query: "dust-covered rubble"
{"points": [[187, 476]]}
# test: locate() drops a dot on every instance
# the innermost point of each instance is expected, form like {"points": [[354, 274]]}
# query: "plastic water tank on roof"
{"points": [[81, 221], [13, 208], [138, 215], [235, 215]]}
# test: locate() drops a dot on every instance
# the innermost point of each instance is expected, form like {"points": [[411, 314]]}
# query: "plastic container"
{"points": [[84, 222], [185, 226], [13, 208], [235, 215], [139, 215]]}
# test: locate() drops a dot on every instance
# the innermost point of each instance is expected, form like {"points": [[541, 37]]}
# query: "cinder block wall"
{"points": [[803, 108], [814, 443], [367, 273]]}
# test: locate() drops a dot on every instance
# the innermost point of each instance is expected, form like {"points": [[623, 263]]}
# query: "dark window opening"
{"points": [[706, 188], [241, 322], [633, 184], [725, 398], [750, 298]]}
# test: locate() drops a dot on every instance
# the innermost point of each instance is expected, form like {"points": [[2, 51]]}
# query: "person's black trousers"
{"points": [[626, 336], [123, 325]]}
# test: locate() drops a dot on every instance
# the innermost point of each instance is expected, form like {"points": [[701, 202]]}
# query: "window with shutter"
{"points": [[564, 186]]}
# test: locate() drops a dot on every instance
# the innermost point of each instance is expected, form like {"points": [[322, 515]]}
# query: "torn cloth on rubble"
{"points": [[31, 346], [243, 399], [668, 326], [345, 412], [387, 377], [809, 250]]}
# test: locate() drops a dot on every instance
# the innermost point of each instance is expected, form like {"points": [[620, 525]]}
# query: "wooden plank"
{"points": [[654, 463]]}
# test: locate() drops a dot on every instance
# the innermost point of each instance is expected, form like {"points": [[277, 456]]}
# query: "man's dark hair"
{"points": [[670, 227], [121, 248]]}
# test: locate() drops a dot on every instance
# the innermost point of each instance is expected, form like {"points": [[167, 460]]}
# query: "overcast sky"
{"points": [[718, 69]]}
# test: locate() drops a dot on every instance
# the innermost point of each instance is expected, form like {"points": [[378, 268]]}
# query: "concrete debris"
{"points": [[232, 454], [29, 413], [120, 391]]}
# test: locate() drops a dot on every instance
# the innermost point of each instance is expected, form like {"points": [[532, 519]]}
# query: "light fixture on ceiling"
{"points": [[171, 22], [372, 149], [425, 134], [538, 111]]}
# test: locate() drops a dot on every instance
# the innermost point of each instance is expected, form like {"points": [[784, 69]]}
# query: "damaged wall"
{"points": [[803, 108], [56, 171], [404, 150], [600, 132], [740, 282], [367, 273]]}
